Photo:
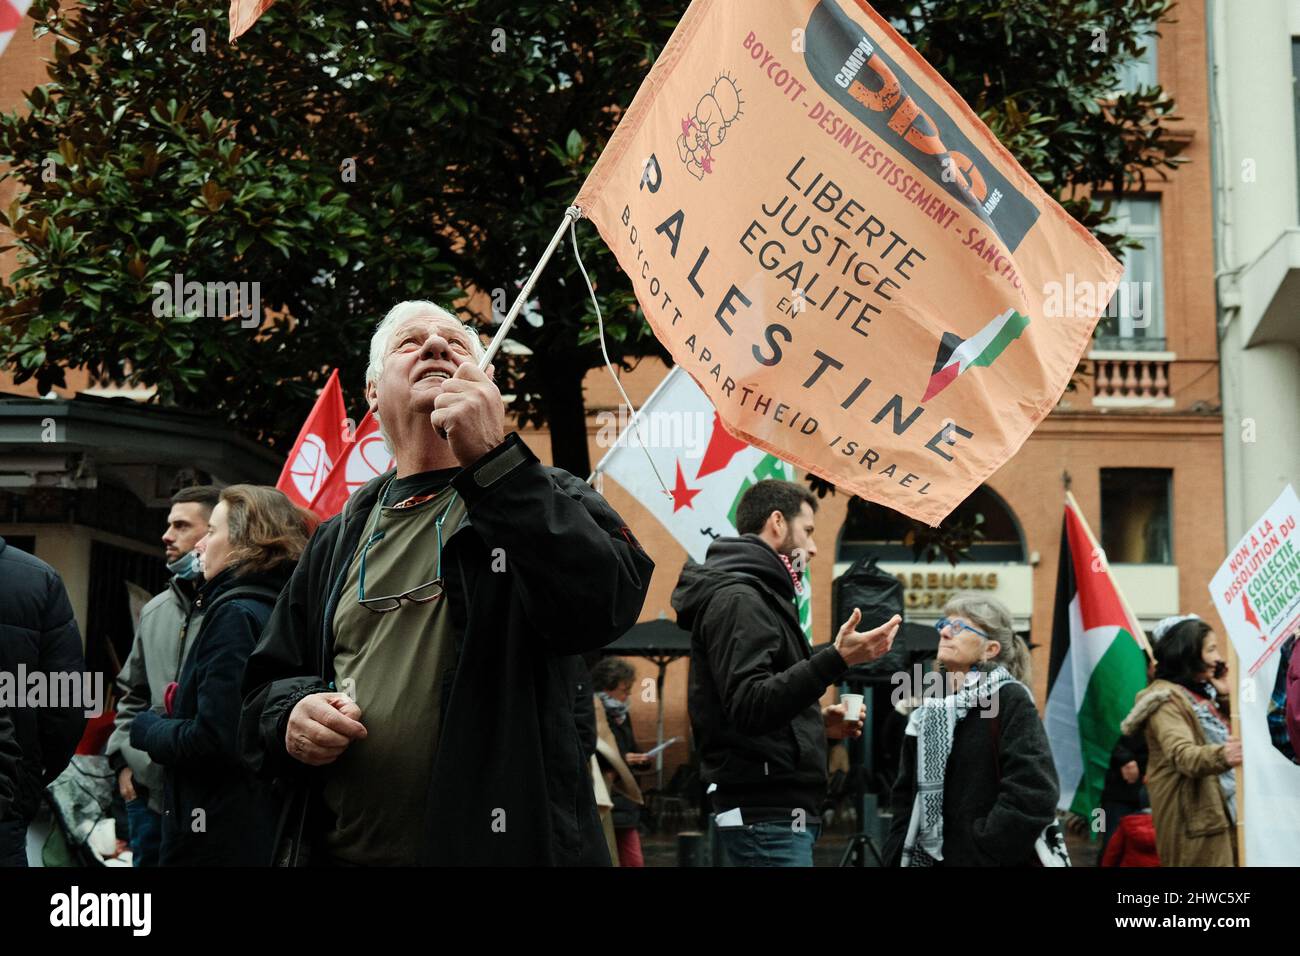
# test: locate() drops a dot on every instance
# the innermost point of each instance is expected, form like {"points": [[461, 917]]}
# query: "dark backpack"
{"points": [[879, 596]]}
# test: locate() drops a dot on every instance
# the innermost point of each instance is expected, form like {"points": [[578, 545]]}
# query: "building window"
{"points": [[871, 529], [1136, 515], [1134, 317], [1141, 71]]}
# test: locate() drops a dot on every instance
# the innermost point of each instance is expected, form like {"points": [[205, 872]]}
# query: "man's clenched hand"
{"points": [[321, 726], [470, 412]]}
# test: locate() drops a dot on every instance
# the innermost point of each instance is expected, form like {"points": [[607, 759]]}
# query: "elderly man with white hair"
{"points": [[413, 690]]}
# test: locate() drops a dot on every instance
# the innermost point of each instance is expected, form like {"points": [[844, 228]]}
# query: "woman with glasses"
{"points": [[215, 813], [976, 784]]}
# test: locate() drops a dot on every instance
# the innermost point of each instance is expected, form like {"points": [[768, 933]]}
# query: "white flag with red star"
{"points": [[707, 470]]}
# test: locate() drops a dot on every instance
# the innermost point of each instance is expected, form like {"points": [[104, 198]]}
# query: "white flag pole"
{"points": [[604, 351], [571, 217], [572, 214], [1140, 635]]}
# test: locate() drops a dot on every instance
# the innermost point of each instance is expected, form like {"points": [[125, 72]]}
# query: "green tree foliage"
{"points": [[157, 148]]}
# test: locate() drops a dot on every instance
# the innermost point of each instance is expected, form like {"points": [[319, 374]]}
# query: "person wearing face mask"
{"points": [[755, 684], [156, 658], [612, 679], [215, 812], [1185, 717], [976, 784]]}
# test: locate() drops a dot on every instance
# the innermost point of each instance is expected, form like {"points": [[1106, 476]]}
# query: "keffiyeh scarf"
{"points": [[1216, 731], [933, 724]]}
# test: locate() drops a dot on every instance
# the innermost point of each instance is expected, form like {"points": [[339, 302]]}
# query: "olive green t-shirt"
{"points": [[393, 664]]}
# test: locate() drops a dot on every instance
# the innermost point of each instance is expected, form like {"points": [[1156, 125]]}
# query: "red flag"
{"points": [[320, 444], [244, 13], [367, 458]]}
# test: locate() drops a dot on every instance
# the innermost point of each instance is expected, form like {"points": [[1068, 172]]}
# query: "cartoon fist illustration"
{"points": [[707, 128]]}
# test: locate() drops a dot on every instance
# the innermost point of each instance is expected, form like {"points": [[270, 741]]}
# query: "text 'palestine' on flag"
{"points": [[1098, 665], [741, 193]]}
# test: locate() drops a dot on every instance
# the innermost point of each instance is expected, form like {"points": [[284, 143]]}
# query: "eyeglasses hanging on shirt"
{"points": [[421, 593]]}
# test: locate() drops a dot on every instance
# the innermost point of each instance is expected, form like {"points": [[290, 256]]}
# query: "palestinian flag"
{"points": [[1098, 665], [980, 350]]}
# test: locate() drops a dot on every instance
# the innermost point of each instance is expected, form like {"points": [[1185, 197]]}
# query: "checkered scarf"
{"points": [[933, 724], [1216, 731]]}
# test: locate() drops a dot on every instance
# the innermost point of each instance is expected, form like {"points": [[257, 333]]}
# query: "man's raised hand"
{"points": [[321, 726], [470, 412], [861, 648]]}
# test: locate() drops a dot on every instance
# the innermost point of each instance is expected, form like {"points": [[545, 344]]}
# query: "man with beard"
{"points": [[755, 683]]}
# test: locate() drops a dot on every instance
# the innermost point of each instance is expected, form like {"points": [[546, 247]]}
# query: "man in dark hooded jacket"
{"points": [[414, 687], [755, 684]]}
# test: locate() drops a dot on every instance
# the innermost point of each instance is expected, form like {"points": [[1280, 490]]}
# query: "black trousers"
{"points": [[13, 842]]}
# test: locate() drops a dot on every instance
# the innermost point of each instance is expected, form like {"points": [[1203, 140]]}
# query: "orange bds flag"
{"points": [[825, 236]]}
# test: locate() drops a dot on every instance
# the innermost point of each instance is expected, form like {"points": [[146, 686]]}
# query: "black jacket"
{"points": [[38, 631], [755, 683], [11, 756], [511, 782], [584, 707], [197, 746], [986, 821], [1116, 789]]}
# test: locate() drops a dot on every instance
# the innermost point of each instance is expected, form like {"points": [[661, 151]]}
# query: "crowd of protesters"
{"points": [[404, 684]]}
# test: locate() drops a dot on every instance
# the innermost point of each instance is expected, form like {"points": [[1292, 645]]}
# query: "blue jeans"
{"points": [[145, 829], [774, 843]]}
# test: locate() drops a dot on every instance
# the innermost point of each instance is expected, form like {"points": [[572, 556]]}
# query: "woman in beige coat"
{"points": [[1184, 714]]}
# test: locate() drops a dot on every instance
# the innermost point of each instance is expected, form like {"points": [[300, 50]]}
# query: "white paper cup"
{"points": [[853, 706]]}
